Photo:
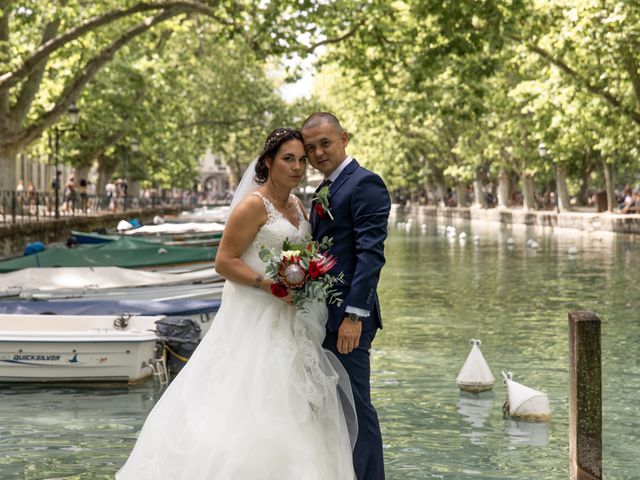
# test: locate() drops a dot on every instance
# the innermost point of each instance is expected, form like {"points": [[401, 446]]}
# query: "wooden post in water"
{"points": [[585, 396]]}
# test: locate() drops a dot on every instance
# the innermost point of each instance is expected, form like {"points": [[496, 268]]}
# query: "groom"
{"points": [[356, 217]]}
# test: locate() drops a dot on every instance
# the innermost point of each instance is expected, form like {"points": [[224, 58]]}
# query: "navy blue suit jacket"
{"points": [[360, 205]]}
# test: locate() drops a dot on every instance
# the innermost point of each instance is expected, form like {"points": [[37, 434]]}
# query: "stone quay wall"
{"points": [[14, 237], [585, 221]]}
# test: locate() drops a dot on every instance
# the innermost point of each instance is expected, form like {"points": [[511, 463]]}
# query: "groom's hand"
{"points": [[348, 335]]}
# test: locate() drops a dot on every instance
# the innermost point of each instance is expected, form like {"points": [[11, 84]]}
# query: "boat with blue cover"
{"points": [[202, 312]]}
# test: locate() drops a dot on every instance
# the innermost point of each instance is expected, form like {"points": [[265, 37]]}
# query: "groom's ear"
{"points": [[344, 137]]}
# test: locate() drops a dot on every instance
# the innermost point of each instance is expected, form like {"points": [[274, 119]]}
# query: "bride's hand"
{"points": [[288, 299]]}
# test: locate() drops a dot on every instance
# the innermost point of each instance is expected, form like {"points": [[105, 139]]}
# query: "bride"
{"points": [[259, 398]]}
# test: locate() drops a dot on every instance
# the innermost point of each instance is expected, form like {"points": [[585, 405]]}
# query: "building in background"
{"points": [[214, 177]]}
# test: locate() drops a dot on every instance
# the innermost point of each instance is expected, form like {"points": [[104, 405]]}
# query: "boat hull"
{"points": [[44, 348]]}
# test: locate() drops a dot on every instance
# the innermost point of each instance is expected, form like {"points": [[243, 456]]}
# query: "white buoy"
{"points": [[511, 241], [523, 402], [475, 375], [462, 236], [531, 243], [572, 250]]}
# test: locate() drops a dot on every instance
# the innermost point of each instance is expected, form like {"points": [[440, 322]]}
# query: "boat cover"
{"points": [[95, 278], [124, 252], [110, 307], [90, 238]]}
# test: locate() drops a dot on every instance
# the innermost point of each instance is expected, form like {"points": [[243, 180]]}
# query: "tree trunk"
{"points": [[563, 192], [441, 193], [104, 175], [479, 200], [80, 173], [8, 170], [609, 185], [461, 194], [581, 198], [529, 201], [503, 189]]}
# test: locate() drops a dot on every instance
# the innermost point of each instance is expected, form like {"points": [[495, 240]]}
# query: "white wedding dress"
{"points": [[259, 398]]}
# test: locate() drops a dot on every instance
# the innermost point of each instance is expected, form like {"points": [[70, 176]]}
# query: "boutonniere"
{"points": [[322, 205]]}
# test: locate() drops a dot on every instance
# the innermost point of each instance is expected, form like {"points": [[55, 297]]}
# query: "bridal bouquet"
{"points": [[303, 270]]}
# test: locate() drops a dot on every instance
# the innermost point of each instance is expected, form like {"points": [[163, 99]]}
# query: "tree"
{"points": [[65, 47]]}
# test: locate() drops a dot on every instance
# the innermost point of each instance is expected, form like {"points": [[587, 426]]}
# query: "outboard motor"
{"points": [[181, 337]]}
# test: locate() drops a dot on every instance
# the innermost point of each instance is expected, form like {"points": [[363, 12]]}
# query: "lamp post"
{"points": [[543, 152], [73, 112]]}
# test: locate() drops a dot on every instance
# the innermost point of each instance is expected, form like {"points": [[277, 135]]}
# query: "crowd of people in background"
{"points": [[626, 200], [629, 200], [83, 196]]}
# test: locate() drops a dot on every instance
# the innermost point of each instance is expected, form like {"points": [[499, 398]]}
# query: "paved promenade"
{"points": [[577, 220]]}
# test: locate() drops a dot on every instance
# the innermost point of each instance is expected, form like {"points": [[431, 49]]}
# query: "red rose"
{"points": [[314, 270], [319, 210], [279, 290]]}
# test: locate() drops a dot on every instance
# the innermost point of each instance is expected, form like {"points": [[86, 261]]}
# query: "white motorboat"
{"points": [[206, 291], [204, 215], [171, 229], [57, 348], [200, 312], [75, 281]]}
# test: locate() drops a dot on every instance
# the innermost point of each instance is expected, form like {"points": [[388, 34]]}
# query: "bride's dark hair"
{"points": [[271, 147]]}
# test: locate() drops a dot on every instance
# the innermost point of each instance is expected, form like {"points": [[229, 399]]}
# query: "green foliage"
{"points": [[440, 91]]}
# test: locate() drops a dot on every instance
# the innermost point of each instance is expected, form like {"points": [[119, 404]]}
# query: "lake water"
{"points": [[436, 293]]}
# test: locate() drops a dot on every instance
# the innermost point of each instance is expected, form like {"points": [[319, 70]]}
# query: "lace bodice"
{"points": [[274, 232]]}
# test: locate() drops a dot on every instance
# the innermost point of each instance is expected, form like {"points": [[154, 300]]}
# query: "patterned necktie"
{"points": [[325, 183]]}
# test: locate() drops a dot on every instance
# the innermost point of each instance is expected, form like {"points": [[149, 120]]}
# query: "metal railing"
{"points": [[29, 207]]}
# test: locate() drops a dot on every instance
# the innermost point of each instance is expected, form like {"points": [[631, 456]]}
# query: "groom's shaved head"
{"points": [[319, 118]]}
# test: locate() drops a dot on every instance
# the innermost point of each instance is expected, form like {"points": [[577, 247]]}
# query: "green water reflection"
{"points": [[439, 292], [436, 293]]}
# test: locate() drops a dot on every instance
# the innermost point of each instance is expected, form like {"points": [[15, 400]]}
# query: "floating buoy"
{"points": [[524, 403], [511, 241], [572, 250], [475, 375], [462, 236]]}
